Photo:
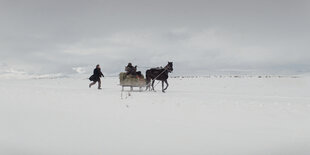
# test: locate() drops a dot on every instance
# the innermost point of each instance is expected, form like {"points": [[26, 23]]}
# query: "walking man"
{"points": [[96, 77]]}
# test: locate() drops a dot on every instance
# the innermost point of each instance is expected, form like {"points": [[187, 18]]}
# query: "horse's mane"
{"points": [[157, 68]]}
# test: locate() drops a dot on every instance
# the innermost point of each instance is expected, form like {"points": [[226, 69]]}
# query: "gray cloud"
{"points": [[199, 36]]}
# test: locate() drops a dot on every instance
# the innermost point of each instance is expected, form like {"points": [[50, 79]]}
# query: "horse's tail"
{"points": [[148, 78]]}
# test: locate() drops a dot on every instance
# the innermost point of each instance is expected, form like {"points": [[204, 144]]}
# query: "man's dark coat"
{"points": [[97, 74]]}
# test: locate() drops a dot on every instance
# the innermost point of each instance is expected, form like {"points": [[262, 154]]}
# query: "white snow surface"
{"points": [[196, 116]]}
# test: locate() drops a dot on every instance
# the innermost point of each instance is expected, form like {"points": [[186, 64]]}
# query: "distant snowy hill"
{"points": [[10, 73]]}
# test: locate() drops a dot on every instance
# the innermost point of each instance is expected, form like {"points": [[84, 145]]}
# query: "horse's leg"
{"points": [[162, 86], [147, 87], [153, 81], [167, 84], [148, 84]]}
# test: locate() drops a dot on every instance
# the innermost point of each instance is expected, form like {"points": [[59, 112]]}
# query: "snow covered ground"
{"points": [[197, 116]]}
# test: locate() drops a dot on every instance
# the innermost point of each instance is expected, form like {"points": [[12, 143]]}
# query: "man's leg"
{"points": [[92, 84], [99, 84]]}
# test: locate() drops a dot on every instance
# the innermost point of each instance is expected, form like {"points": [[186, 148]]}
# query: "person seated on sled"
{"points": [[131, 70]]}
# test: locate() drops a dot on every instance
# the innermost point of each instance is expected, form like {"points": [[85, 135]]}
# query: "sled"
{"points": [[132, 81]]}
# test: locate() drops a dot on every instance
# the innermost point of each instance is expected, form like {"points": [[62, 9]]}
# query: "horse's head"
{"points": [[169, 67]]}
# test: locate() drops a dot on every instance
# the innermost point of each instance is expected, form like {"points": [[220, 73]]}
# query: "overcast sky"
{"points": [[51, 36]]}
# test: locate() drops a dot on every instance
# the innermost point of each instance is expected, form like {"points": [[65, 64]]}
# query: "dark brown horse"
{"points": [[160, 74]]}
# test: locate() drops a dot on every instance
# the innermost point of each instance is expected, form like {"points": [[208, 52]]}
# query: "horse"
{"points": [[160, 74]]}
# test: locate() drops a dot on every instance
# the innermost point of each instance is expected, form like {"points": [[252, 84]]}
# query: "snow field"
{"points": [[196, 116]]}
